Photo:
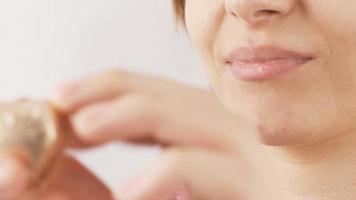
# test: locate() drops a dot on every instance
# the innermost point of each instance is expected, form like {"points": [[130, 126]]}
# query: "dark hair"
{"points": [[179, 11]]}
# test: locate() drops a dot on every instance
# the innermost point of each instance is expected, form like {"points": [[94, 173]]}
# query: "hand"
{"points": [[67, 180], [118, 105], [205, 146], [197, 174]]}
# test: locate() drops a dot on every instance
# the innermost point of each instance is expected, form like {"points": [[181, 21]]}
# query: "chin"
{"points": [[286, 127], [281, 135], [289, 114], [296, 129], [275, 127]]}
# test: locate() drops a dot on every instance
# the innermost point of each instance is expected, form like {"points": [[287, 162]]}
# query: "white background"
{"points": [[46, 42]]}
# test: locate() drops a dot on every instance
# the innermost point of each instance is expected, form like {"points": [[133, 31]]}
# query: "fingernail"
{"points": [[89, 120], [67, 89], [180, 193], [64, 93], [211, 88]]}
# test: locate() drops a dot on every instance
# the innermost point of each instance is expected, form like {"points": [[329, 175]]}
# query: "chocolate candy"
{"points": [[31, 131]]}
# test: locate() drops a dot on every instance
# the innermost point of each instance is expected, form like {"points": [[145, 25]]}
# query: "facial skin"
{"points": [[308, 105]]}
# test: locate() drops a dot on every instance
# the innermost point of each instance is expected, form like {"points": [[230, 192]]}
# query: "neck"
{"points": [[323, 171]]}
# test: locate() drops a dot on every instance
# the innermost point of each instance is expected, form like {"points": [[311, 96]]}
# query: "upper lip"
{"points": [[258, 54]]}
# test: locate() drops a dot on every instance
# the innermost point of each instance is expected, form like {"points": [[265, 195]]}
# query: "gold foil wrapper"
{"points": [[31, 130]]}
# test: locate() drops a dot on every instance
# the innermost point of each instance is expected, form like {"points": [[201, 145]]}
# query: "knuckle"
{"points": [[115, 74], [141, 109], [143, 103], [117, 79]]}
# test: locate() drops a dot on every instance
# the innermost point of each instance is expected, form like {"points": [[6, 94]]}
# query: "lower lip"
{"points": [[254, 71]]}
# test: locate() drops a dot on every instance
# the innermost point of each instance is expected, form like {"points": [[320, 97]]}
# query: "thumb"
{"points": [[14, 177]]}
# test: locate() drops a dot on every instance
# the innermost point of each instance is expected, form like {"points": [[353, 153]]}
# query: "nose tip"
{"points": [[258, 11]]}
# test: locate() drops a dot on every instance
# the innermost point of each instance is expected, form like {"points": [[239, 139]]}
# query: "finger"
{"points": [[68, 180], [112, 120], [14, 177], [133, 118], [202, 175], [73, 95], [91, 99]]}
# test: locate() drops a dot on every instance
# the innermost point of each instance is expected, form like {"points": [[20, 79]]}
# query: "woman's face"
{"points": [[300, 99]]}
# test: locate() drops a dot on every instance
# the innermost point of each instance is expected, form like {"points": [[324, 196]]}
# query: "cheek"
{"points": [[203, 20], [336, 22]]}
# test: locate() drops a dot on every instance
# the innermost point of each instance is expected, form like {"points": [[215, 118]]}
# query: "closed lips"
{"points": [[264, 62]]}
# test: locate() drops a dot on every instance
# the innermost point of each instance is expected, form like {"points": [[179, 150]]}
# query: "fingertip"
{"points": [[57, 102], [181, 195], [91, 121], [81, 128], [62, 96]]}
